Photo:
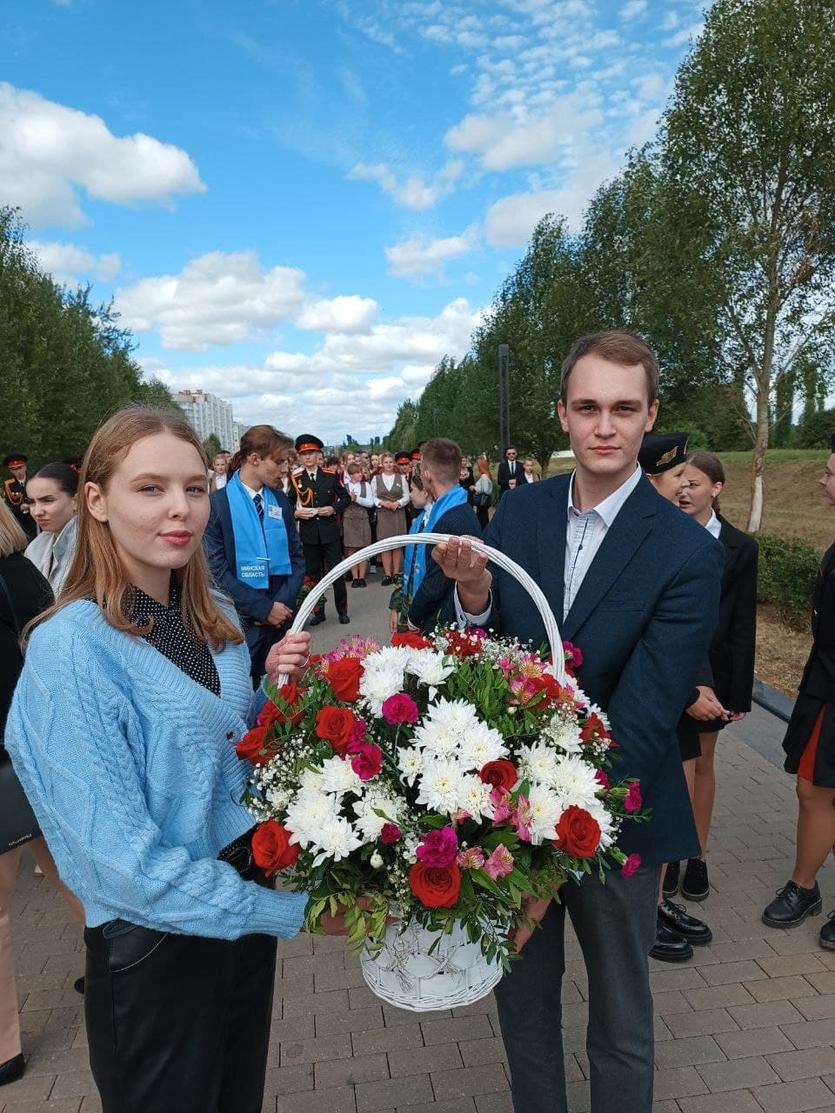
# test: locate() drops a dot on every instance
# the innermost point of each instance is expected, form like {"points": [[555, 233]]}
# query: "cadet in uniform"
{"points": [[14, 493], [318, 497]]}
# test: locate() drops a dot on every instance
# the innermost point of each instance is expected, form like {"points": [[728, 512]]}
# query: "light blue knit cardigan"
{"points": [[131, 769]]}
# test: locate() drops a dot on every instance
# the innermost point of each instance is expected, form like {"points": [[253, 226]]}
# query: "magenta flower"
{"points": [[573, 655], [602, 779], [631, 865], [500, 863], [357, 738], [472, 859], [633, 800], [400, 708], [367, 761], [502, 805], [438, 849], [389, 834]]}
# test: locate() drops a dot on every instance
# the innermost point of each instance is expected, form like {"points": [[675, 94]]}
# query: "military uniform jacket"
{"points": [[14, 494], [325, 490]]}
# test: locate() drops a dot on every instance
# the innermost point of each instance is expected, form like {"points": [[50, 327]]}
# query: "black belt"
{"points": [[239, 854]]}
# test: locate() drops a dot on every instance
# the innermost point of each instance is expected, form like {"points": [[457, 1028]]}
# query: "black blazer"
{"points": [[30, 594], [819, 675], [253, 604], [503, 475], [434, 596], [643, 617], [327, 491], [734, 642]]}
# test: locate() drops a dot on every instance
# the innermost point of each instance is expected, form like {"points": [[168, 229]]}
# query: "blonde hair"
{"points": [[12, 537], [97, 572]]}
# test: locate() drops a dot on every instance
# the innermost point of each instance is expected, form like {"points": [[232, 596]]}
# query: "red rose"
{"points": [[435, 888], [593, 728], [501, 774], [344, 677], [271, 848], [413, 641], [335, 725], [578, 833], [463, 644], [548, 688], [250, 746]]}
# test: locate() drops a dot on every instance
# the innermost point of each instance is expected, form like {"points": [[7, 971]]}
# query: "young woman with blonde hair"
{"points": [[135, 687]]}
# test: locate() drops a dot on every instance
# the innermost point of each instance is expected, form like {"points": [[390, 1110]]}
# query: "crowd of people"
{"points": [[144, 596]]}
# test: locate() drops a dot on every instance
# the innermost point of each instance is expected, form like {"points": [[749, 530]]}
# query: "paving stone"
{"points": [[790, 988], [688, 1052], [289, 1080], [348, 1020], [765, 1015], [718, 996], [782, 965], [745, 970], [753, 1041], [350, 1072], [62, 1105], [737, 1074], [316, 1050], [387, 1039], [425, 1060], [463, 1028], [414, 1090], [340, 1099], [812, 1062], [678, 1082], [705, 1022], [823, 981], [728, 1102], [794, 1097], [818, 1008], [468, 1081], [492, 1103], [810, 1033]]}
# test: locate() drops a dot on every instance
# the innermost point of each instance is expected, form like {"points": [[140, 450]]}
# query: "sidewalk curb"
{"points": [[772, 701]]}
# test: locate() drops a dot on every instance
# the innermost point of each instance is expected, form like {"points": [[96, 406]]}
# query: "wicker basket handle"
{"points": [[533, 589]]}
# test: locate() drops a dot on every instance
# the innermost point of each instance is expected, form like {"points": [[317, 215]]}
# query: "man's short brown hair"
{"points": [[443, 458], [616, 346]]}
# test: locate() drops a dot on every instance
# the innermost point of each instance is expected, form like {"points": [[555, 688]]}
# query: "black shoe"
{"points": [[348, 577], [676, 917], [356, 583], [670, 886], [344, 620], [696, 884], [361, 583], [78, 986], [669, 946], [792, 906], [827, 935], [12, 1069], [317, 618], [386, 581]]}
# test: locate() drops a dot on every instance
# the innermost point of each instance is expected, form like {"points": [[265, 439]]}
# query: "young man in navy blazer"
{"points": [[635, 584]]}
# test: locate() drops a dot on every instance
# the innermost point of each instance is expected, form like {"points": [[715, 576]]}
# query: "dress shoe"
{"points": [[677, 918], [386, 581], [669, 946], [827, 935], [361, 582], [12, 1069], [670, 885], [316, 619], [78, 985], [355, 583], [344, 620], [792, 905], [696, 884]]}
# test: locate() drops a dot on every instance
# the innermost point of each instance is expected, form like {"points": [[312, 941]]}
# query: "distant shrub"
{"points": [[815, 431], [787, 574]]}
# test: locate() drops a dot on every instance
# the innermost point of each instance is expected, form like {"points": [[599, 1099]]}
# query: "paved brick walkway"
{"points": [[748, 1026]]}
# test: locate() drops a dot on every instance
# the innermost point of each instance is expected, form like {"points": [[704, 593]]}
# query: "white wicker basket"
{"points": [[403, 972]]}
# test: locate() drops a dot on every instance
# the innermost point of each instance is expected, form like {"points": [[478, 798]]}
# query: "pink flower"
{"points": [[522, 818], [357, 738], [602, 779], [438, 849], [400, 708], [633, 800], [472, 859], [502, 805], [500, 863], [507, 665], [389, 833], [573, 655], [367, 761], [631, 865]]}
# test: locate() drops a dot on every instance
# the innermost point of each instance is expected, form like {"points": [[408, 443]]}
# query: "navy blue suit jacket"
{"points": [[253, 604], [643, 617], [434, 596]]}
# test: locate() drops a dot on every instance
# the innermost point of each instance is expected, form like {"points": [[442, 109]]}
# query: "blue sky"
{"points": [[301, 205]]}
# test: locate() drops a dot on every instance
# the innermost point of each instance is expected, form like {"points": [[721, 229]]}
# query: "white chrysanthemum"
{"points": [[378, 684], [335, 839], [338, 777], [475, 797], [307, 813], [410, 760], [538, 764], [574, 782], [564, 733], [597, 810], [277, 797], [373, 812], [546, 810], [311, 781], [480, 744], [429, 667], [440, 787]]}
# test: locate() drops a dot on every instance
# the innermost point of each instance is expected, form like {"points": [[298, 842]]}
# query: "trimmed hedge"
{"points": [[787, 574]]}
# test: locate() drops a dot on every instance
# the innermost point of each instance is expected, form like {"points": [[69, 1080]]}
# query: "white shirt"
{"points": [[713, 525], [220, 481], [355, 487], [583, 537], [529, 477], [388, 483]]}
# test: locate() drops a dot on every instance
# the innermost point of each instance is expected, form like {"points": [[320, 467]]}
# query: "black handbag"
{"points": [[17, 820]]}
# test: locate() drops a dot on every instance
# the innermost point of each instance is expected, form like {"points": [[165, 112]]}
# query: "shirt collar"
{"points": [[146, 607], [611, 506], [251, 490], [713, 525]]}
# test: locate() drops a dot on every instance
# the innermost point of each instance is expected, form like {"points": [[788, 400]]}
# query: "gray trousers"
{"points": [[615, 923]]}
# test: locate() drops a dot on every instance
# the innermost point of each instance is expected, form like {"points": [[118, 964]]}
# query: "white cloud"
{"points": [[418, 255], [412, 191], [632, 9], [49, 153], [685, 35], [505, 141], [350, 314], [66, 262], [218, 298]]}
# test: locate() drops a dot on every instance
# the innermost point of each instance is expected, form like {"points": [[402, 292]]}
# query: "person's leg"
{"points": [[332, 555], [530, 1014], [397, 562], [616, 923], [815, 831], [248, 1026], [387, 564], [704, 792], [9, 1019], [40, 852]]}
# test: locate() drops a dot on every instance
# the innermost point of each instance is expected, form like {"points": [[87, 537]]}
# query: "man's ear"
{"points": [[562, 414], [652, 416]]}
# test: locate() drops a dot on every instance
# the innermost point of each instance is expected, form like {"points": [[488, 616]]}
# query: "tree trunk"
{"points": [[760, 448]]}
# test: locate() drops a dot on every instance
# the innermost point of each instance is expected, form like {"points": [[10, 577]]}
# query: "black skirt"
{"points": [[688, 737], [799, 733]]}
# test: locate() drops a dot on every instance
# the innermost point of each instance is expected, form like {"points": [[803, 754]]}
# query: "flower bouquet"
{"points": [[437, 781]]}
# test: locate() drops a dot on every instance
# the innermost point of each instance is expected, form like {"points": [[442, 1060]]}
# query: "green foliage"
{"points": [[787, 573], [211, 446], [66, 363], [815, 430]]}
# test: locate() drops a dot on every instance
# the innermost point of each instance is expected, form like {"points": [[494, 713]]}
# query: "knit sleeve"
{"points": [[80, 763]]}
